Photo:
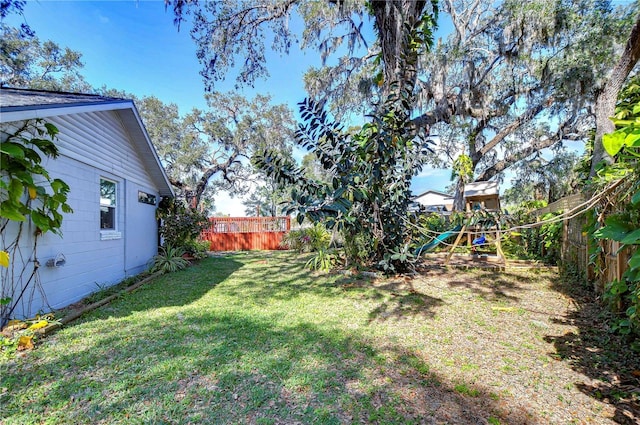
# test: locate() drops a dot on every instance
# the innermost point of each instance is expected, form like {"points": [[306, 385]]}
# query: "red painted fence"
{"points": [[246, 233]]}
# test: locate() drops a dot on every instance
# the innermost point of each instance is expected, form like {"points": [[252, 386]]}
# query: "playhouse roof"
{"points": [[481, 189], [24, 104], [434, 192]]}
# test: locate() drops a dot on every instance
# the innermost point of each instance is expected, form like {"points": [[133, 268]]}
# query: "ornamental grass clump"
{"points": [[169, 260]]}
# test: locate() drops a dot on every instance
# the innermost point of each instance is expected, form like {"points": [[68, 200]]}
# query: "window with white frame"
{"points": [[108, 196]]}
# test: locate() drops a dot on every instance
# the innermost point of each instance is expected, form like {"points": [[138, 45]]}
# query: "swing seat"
{"points": [[479, 240]]}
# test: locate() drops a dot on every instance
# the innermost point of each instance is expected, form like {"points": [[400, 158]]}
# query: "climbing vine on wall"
{"points": [[29, 200]]}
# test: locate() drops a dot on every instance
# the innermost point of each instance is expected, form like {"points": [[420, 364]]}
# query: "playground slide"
{"points": [[436, 241]]}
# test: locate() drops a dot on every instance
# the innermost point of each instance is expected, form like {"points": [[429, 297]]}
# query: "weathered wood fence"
{"points": [[246, 233], [575, 246]]}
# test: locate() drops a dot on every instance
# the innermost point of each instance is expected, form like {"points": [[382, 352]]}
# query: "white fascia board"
{"points": [[45, 111]]}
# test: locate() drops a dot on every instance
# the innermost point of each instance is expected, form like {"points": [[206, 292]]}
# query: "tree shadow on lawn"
{"points": [[401, 305], [607, 359], [178, 288], [393, 298], [221, 367], [398, 297], [491, 285], [272, 275]]}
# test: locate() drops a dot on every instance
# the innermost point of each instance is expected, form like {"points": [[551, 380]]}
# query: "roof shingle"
{"points": [[12, 99]]}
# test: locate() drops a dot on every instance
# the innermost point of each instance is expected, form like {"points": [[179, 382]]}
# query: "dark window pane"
{"points": [[146, 198], [107, 217]]}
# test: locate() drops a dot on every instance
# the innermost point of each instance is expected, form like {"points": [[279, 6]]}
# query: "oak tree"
{"points": [[207, 150], [28, 62]]}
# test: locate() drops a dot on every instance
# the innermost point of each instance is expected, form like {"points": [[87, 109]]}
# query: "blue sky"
{"points": [[134, 46]]}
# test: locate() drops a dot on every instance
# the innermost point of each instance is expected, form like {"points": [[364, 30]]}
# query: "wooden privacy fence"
{"points": [[574, 252], [246, 233]]}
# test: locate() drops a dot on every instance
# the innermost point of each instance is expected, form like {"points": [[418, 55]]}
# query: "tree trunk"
{"points": [[606, 100], [390, 17], [458, 197]]}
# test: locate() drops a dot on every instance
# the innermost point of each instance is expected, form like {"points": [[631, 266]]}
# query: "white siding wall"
{"points": [[94, 146], [141, 230], [432, 198]]}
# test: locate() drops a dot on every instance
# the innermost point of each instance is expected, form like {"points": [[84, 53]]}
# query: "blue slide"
{"points": [[436, 241]]}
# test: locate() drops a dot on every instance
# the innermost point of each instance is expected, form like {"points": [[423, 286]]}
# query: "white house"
{"points": [[116, 182], [434, 200]]}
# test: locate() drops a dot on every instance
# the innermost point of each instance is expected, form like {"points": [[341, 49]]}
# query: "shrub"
{"points": [[323, 260], [293, 240], [169, 260], [311, 239], [180, 226], [426, 226], [197, 248], [358, 248], [434, 222], [513, 247], [539, 243]]}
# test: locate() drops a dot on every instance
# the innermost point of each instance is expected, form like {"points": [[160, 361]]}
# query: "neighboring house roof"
{"points": [[23, 104], [481, 189], [433, 192], [434, 200]]}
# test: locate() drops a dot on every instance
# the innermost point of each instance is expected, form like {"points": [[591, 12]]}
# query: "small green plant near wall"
{"points": [[169, 260], [323, 260], [623, 296], [314, 239], [310, 239], [28, 195], [551, 237], [197, 248]]}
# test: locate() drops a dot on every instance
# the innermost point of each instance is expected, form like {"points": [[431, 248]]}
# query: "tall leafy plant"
{"points": [[624, 226], [371, 169], [28, 194]]}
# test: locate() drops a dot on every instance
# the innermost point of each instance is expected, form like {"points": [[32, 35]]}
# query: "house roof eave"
{"points": [[149, 155], [437, 192], [25, 104]]}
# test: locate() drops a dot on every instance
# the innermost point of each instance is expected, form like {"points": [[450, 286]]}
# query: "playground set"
{"points": [[482, 205]]}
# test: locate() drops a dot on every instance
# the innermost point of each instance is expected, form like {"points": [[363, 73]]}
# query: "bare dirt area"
{"points": [[521, 345]]}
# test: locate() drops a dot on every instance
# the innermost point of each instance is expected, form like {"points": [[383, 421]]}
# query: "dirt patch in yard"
{"points": [[520, 346]]}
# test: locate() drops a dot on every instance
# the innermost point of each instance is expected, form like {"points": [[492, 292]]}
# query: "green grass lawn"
{"points": [[256, 338]]}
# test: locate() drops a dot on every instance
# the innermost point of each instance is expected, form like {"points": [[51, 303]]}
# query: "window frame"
{"points": [[107, 233]]}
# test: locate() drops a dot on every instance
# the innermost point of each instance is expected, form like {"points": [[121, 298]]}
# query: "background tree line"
{"points": [[505, 89]]}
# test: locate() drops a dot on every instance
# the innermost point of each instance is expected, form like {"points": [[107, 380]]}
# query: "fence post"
{"points": [[565, 241]]}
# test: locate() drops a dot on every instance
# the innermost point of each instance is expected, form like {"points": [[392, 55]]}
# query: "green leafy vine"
{"points": [[623, 225], [28, 195]]}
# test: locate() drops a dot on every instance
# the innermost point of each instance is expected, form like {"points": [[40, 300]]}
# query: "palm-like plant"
{"points": [[169, 260]]}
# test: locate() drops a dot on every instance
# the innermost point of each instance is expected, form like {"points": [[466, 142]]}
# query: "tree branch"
{"points": [[606, 100], [524, 118], [534, 147]]}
